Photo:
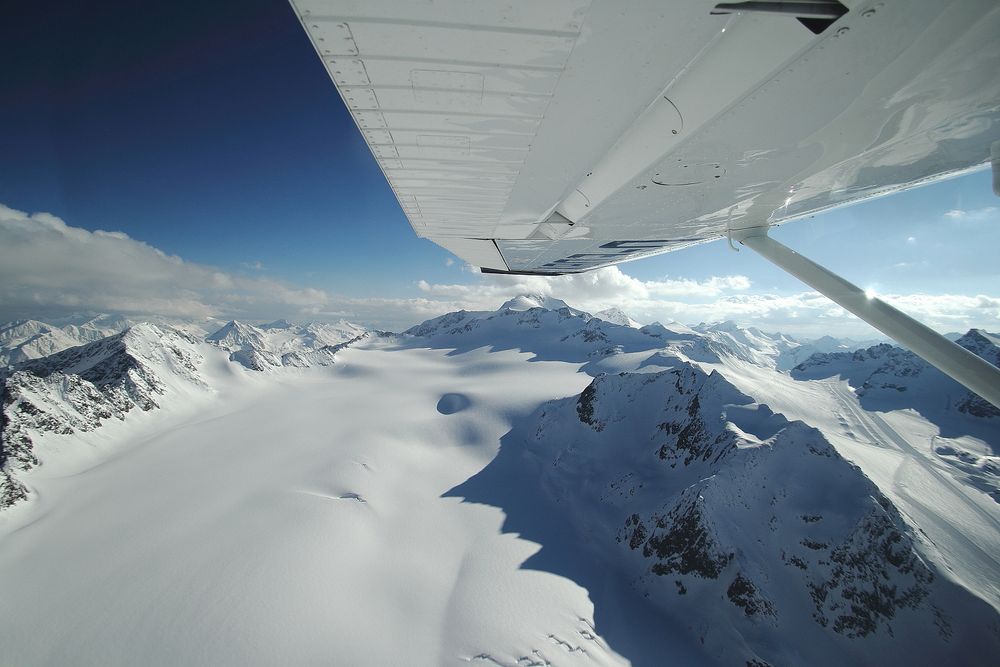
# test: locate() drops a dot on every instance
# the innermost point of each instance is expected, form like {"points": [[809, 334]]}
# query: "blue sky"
{"points": [[210, 132]]}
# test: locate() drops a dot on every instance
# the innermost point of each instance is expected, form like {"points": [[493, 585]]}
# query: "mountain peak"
{"points": [[234, 328], [283, 344], [529, 301], [617, 316]]}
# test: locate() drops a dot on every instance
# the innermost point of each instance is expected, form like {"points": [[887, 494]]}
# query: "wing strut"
{"points": [[970, 370]]}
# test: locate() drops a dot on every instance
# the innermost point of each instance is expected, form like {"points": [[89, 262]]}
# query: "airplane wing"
{"points": [[558, 136]]}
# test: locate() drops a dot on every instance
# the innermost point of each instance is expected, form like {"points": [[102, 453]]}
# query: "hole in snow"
{"points": [[452, 403]]}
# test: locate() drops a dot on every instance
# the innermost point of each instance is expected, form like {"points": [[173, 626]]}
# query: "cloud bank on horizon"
{"points": [[49, 269]]}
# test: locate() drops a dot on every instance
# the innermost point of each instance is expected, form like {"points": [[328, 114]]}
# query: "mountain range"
{"points": [[690, 480]]}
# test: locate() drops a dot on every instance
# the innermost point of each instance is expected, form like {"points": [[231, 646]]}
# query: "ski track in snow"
{"points": [[961, 522], [976, 558]]}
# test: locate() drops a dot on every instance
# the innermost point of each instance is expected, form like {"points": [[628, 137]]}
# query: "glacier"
{"points": [[531, 485]]}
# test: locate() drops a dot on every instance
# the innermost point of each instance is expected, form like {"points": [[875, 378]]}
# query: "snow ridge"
{"points": [[894, 376], [281, 344], [77, 389], [705, 495], [745, 531]]}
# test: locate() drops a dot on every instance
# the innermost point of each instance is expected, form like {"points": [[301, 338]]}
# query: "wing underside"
{"points": [[556, 137]]}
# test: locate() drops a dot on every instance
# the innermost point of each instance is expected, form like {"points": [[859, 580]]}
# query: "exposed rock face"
{"points": [[986, 346], [713, 497], [80, 388], [680, 541], [863, 582]]}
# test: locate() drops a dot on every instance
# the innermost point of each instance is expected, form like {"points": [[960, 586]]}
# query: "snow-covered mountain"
{"points": [[694, 500], [22, 340], [78, 389], [700, 493], [567, 334], [744, 527], [88, 328], [529, 301], [560, 332], [617, 316], [793, 356], [776, 350], [282, 344], [890, 377]]}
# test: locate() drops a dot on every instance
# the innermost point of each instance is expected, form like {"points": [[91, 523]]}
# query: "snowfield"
{"points": [[528, 486], [298, 521]]}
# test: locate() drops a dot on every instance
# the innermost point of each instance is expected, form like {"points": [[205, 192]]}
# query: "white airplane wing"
{"points": [[556, 136]]}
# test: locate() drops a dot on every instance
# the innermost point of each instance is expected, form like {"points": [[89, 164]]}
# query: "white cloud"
{"points": [[48, 268], [973, 215], [718, 298], [253, 266], [602, 287]]}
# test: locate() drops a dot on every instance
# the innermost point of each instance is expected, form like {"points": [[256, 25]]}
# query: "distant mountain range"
{"points": [[889, 377], [282, 344], [78, 387]]}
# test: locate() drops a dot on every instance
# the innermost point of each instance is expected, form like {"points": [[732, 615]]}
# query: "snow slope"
{"points": [[531, 485], [700, 494], [291, 522], [80, 388], [898, 450], [890, 379], [617, 316], [22, 340]]}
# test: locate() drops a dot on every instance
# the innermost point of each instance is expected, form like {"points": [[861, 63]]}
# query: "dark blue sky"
{"points": [[207, 129], [210, 130]]}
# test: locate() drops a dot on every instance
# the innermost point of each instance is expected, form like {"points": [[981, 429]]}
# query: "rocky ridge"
{"points": [[281, 344], [80, 388], [709, 496]]}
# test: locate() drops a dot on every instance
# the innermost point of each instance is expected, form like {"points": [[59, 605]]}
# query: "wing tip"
{"points": [[509, 272]]}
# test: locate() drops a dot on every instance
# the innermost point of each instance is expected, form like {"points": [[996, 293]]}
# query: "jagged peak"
{"points": [[979, 337], [670, 327], [234, 327], [21, 324]]}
